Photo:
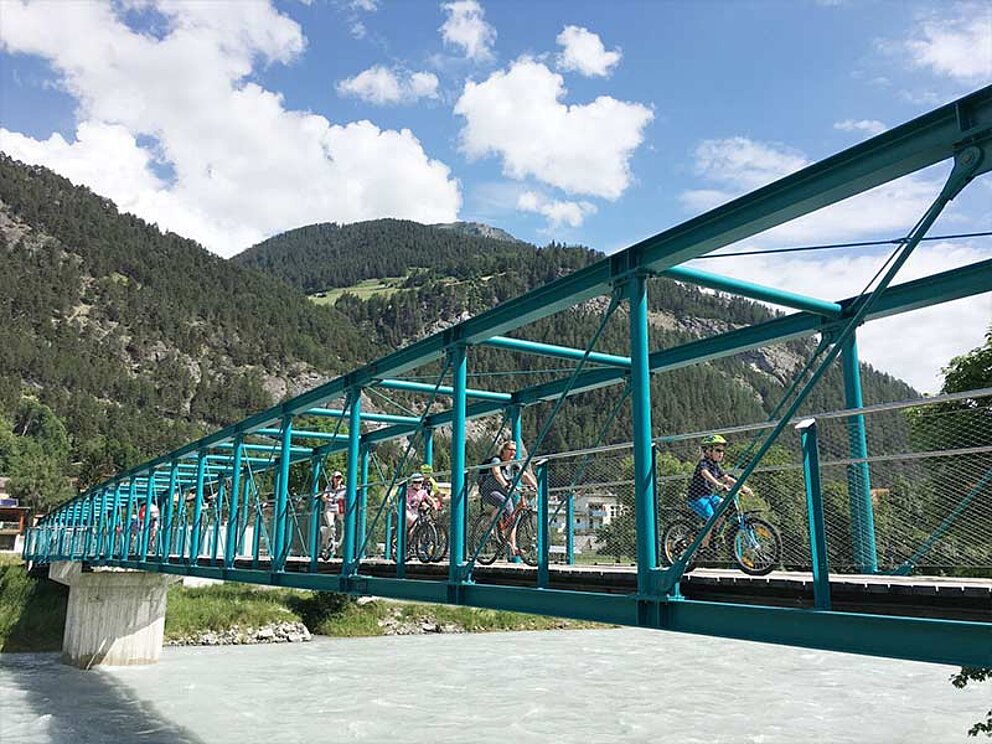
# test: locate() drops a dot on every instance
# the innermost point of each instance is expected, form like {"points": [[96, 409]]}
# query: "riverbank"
{"points": [[32, 615]]}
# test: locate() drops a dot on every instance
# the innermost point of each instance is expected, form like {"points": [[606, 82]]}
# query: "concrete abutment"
{"points": [[115, 616]]}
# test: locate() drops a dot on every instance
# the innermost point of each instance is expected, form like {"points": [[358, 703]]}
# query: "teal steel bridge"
{"points": [[853, 577]]}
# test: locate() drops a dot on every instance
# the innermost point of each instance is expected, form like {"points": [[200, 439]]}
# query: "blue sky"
{"points": [[585, 122]]}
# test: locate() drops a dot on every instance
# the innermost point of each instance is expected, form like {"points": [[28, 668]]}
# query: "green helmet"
{"points": [[713, 439], [426, 469]]}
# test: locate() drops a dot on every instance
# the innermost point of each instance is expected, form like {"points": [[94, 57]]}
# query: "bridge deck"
{"points": [[942, 597]]}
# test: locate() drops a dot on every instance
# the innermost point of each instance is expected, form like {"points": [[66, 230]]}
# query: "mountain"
{"points": [[320, 257], [478, 229], [139, 340]]}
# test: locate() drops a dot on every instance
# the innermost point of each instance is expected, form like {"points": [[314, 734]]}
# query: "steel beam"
{"points": [[558, 352], [423, 387], [754, 291], [375, 418]]}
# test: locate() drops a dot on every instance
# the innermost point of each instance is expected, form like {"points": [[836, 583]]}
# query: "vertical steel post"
{"points": [[146, 525], [194, 538], [814, 510], [429, 446], [389, 531], [256, 533], [515, 430], [640, 388], [570, 529], [513, 414], [218, 509], [543, 543], [401, 535], [60, 519], [858, 479], [363, 498], [315, 510], [277, 538], [115, 518], [459, 487], [231, 542], [348, 560], [173, 497], [245, 514], [101, 528], [90, 525], [132, 497]]}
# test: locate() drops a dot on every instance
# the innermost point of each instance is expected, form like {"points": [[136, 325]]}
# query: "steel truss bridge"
{"points": [[870, 537]]}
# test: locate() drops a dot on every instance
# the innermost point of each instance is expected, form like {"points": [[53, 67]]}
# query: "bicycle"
{"points": [[757, 546], [523, 519], [427, 538]]}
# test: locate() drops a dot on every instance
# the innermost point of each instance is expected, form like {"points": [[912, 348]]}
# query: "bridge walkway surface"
{"points": [[912, 596]]}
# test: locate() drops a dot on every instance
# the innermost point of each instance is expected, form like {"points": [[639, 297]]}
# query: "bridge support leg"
{"points": [[459, 488], [858, 483], [115, 617], [814, 510], [645, 506]]}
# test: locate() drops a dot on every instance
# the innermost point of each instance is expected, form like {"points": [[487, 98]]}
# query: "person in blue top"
{"points": [[707, 479]]}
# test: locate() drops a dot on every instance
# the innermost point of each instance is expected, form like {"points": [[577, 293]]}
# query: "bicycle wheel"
{"points": [[441, 548], [493, 546], [424, 540], [527, 536], [677, 538], [757, 547]]}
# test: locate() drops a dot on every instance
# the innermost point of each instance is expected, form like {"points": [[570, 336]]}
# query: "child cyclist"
{"points": [[707, 479], [417, 492]]}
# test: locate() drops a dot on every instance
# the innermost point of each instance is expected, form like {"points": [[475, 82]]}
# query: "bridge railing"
{"points": [[919, 499]]}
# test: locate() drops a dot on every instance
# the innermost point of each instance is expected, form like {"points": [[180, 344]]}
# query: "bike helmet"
{"points": [[712, 440], [426, 469]]}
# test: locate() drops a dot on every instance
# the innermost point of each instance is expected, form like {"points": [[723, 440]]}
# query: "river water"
{"points": [[596, 685]]}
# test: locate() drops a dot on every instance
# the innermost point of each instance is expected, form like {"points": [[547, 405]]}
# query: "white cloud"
{"points": [[956, 45], [381, 86], [584, 52], [244, 165], [517, 115], [869, 126], [912, 346], [369, 6], [466, 28], [557, 212], [737, 165]]}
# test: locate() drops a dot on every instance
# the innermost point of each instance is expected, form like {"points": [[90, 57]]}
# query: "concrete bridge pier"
{"points": [[115, 617]]}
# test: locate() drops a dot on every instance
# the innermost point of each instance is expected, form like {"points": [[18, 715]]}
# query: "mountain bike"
{"points": [[755, 545], [523, 518]]}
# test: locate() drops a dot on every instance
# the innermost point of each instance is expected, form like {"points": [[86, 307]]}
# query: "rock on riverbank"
{"points": [[285, 632]]}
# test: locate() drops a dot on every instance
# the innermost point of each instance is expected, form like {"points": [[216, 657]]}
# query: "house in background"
{"points": [[13, 521]]}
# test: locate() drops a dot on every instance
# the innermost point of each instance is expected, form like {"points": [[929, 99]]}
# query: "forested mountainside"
{"points": [[448, 278], [319, 257], [135, 339]]}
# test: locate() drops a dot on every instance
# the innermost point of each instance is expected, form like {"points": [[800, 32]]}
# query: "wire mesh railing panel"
{"points": [[591, 507]]}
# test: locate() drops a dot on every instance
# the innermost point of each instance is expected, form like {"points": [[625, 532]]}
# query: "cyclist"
{"points": [[494, 490], [417, 492], [333, 498], [429, 483], [707, 479]]}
